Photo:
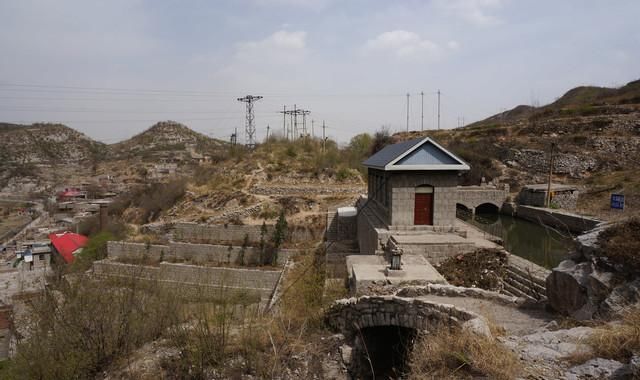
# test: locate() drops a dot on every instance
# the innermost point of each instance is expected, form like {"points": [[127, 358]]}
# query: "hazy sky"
{"points": [[112, 68]]}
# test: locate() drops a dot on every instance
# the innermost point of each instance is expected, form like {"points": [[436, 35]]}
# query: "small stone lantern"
{"points": [[396, 259]]}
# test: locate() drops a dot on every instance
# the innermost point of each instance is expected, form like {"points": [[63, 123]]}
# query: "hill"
{"points": [[166, 139], [27, 148], [579, 101], [596, 134]]}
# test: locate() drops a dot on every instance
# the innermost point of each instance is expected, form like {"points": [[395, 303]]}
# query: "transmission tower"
{"points": [[250, 127]]}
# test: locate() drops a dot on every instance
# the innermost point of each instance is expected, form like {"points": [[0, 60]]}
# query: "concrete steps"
{"points": [[521, 284]]}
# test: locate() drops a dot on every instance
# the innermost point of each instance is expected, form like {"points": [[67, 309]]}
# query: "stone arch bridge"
{"points": [[473, 196], [350, 315]]}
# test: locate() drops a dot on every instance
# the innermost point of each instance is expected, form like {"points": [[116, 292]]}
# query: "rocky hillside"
{"points": [[596, 137], [26, 148], [46, 143], [165, 139]]}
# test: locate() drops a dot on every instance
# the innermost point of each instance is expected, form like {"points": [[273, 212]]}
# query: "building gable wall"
{"points": [[402, 196]]}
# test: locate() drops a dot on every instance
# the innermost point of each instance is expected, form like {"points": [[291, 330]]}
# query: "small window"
{"points": [[41, 257]]}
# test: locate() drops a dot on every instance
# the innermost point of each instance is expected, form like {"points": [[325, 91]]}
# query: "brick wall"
{"points": [[403, 196]]}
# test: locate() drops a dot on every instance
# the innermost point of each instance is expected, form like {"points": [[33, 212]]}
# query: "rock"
{"points": [[599, 368], [549, 345], [634, 365], [622, 297], [600, 285], [477, 326], [567, 288], [346, 353]]}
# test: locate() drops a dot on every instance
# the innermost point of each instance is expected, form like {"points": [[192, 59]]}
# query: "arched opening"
{"points": [[423, 208], [487, 213], [463, 212], [382, 352]]}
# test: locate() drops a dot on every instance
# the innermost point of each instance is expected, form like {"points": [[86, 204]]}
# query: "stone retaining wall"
{"points": [[235, 234], [261, 282], [193, 253]]}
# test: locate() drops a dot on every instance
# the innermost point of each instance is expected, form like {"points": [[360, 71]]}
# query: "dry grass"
{"points": [[458, 354], [621, 243], [618, 341]]}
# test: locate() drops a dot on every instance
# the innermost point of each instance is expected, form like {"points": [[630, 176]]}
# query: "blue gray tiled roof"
{"points": [[390, 153]]}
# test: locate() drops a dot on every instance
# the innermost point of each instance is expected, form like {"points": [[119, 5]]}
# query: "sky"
{"points": [[111, 69]]}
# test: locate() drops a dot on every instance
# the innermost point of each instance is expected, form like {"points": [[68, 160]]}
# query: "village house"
{"points": [[414, 183], [68, 244], [34, 255]]}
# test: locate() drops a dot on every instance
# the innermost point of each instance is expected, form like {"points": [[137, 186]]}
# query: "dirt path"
{"points": [[514, 320]]}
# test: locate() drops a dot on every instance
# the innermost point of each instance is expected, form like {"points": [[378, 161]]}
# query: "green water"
{"points": [[541, 245]]}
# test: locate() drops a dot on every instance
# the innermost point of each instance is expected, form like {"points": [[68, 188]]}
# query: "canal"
{"points": [[542, 245]]}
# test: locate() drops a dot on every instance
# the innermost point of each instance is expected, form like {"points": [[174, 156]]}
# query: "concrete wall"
{"points": [[561, 220], [437, 253], [261, 282], [347, 227], [370, 227], [402, 201], [193, 253], [235, 234], [566, 199]]}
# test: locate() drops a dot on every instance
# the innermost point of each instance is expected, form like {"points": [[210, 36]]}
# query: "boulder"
{"points": [[567, 286], [600, 368], [622, 297], [634, 365]]}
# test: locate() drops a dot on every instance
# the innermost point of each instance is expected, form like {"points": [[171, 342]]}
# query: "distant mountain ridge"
{"points": [[579, 101]]}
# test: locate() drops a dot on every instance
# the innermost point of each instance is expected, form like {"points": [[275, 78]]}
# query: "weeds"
{"points": [[456, 354]]}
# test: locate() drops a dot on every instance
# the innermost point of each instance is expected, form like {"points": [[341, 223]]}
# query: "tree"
{"points": [[263, 233], [279, 235]]}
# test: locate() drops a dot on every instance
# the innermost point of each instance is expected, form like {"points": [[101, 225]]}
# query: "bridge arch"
{"points": [[382, 329], [352, 314]]}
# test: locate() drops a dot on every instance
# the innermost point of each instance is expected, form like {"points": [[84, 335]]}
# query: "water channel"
{"points": [[542, 245]]}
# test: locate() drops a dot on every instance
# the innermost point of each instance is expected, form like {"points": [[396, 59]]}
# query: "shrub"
{"points": [[621, 244], [455, 354], [79, 329]]}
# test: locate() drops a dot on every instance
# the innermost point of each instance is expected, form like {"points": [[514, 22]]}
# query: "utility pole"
{"points": [[284, 121], [267, 132], [438, 109], [250, 127], [548, 200], [422, 111], [313, 134], [324, 138], [295, 121], [407, 112]]}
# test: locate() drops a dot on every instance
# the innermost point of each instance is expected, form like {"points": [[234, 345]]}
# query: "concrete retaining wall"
{"points": [[235, 234], [562, 220], [437, 253], [193, 253], [261, 282]]}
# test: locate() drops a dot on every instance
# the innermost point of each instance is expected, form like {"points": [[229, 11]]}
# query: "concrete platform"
{"points": [[366, 270], [434, 247]]}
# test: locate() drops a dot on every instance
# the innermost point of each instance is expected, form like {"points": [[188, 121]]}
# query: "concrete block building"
{"points": [[414, 183]]}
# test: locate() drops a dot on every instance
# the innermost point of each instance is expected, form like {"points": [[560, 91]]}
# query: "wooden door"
{"points": [[423, 211]]}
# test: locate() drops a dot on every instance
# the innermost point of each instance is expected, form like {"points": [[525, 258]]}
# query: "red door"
{"points": [[423, 212]]}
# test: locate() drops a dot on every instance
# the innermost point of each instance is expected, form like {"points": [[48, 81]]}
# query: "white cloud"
{"points": [[280, 47], [403, 44], [477, 12], [453, 45]]}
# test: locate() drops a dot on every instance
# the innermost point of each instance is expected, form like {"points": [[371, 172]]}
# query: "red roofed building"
{"points": [[70, 194], [67, 244]]}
